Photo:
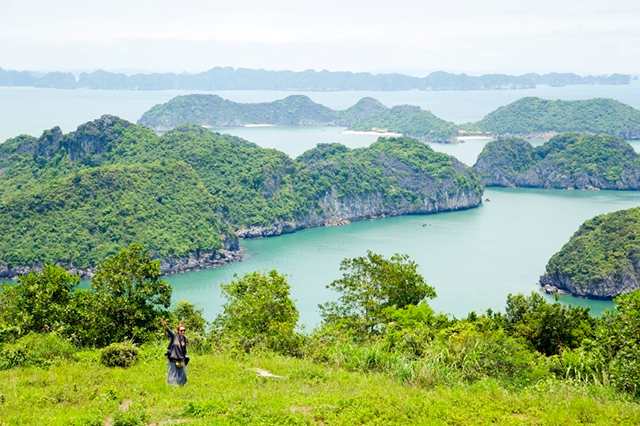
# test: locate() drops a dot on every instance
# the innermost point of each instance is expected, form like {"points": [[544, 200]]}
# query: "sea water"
{"points": [[474, 258]]}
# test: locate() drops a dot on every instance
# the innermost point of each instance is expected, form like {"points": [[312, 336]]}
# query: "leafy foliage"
{"points": [[40, 303], [42, 350], [259, 313], [123, 354], [129, 297], [370, 285], [186, 313], [126, 299], [550, 328]]}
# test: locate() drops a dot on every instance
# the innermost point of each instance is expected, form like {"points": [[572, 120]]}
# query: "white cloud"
{"points": [[581, 36]]}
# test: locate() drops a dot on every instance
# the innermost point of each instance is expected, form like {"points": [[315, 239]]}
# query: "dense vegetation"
{"points": [[601, 259], [380, 355], [214, 111], [412, 122], [77, 198], [531, 116], [569, 160], [247, 79]]}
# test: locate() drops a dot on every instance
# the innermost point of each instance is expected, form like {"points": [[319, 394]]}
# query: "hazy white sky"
{"points": [[416, 37]]}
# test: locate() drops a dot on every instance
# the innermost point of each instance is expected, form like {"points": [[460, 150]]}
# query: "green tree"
{"points": [[549, 327], [618, 337], [40, 302], [370, 285], [186, 313], [129, 297], [259, 312]]}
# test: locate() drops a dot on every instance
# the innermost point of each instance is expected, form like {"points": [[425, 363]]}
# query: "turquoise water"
{"points": [[474, 258], [31, 110]]}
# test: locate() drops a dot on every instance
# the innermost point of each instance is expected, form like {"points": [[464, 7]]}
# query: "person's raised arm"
{"points": [[166, 327]]}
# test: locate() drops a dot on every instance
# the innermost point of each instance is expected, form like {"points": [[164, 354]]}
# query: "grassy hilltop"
{"points": [[381, 355]]}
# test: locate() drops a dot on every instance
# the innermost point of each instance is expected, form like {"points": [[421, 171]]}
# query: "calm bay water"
{"points": [[473, 258], [31, 110]]}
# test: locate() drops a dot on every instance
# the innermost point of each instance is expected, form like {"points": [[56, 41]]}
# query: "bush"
{"points": [[123, 354], [41, 350]]}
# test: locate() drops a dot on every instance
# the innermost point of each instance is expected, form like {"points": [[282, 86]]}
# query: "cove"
{"points": [[474, 258]]}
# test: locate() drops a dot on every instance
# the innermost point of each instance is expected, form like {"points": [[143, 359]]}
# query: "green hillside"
{"points": [[531, 116], [84, 218], [79, 197]]}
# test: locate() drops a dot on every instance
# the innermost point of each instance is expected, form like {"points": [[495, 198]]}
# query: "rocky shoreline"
{"points": [[343, 211], [605, 289], [568, 161], [195, 262]]}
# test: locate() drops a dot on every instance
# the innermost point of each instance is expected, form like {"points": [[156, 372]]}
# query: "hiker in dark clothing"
{"points": [[177, 354]]}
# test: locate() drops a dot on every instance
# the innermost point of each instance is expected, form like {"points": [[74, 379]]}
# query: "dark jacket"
{"points": [[177, 349]]}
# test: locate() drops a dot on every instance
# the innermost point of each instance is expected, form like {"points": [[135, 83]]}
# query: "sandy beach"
{"points": [[474, 138], [356, 132]]}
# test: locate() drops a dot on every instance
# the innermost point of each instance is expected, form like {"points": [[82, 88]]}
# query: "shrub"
{"points": [[36, 349], [123, 354]]}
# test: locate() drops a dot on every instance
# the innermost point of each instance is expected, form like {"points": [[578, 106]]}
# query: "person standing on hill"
{"points": [[177, 354]]}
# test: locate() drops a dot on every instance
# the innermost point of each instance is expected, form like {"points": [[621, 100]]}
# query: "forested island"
{"points": [[601, 260], [567, 161], [228, 78], [298, 110], [75, 199], [527, 117], [541, 118], [214, 111]]}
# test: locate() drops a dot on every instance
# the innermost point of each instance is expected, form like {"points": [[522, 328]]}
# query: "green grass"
{"points": [[223, 390]]}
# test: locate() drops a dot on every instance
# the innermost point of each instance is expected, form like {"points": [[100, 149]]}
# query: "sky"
{"points": [[412, 37]]}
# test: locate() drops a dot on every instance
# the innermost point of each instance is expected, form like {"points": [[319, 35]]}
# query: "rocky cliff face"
{"points": [[607, 287], [568, 161], [339, 211], [196, 261], [546, 174], [333, 209]]}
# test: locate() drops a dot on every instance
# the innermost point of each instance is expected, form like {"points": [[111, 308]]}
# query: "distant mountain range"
{"points": [[219, 78]]}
